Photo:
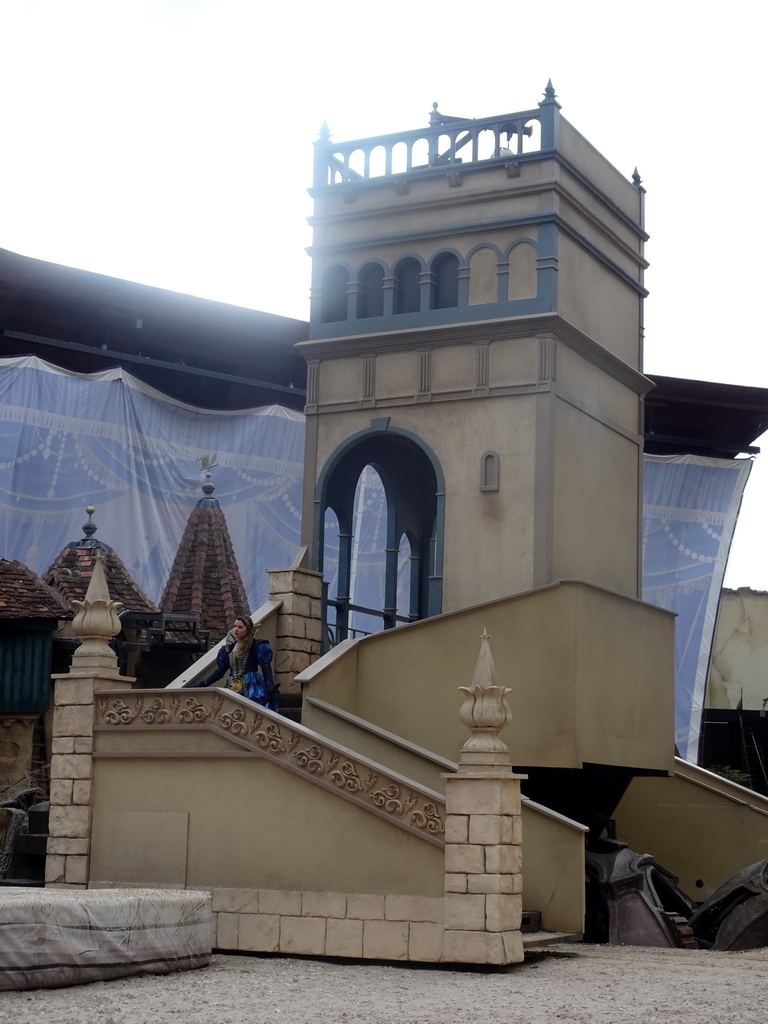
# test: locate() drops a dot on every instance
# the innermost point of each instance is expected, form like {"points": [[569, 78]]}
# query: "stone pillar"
{"points": [[299, 622], [483, 835], [94, 667]]}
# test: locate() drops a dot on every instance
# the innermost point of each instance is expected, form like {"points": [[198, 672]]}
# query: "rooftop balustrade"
{"points": [[445, 142]]}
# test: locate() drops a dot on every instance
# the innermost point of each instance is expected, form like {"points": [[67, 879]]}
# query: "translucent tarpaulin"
{"points": [[690, 505], [69, 440]]}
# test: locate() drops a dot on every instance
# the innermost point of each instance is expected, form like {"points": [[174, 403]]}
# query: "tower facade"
{"points": [[476, 337]]}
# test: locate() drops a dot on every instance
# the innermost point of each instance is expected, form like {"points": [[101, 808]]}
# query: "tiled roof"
{"points": [[205, 579], [24, 596], [71, 571]]}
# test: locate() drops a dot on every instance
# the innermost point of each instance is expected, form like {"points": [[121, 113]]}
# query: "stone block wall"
{"points": [[69, 822], [299, 622], [358, 925], [483, 869]]}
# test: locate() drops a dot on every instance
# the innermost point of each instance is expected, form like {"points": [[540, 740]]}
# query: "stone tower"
{"points": [[476, 337]]}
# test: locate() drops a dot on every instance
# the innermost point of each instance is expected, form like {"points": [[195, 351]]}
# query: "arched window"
{"points": [[489, 471], [386, 491], [408, 580], [334, 301], [371, 280], [407, 286], [445, 269]]}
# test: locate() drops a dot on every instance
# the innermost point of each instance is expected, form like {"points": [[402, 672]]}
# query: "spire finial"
{"points": [[549, 92], [325, 132], [96, 620], [208, 487], [90, 527], [484, 712]]}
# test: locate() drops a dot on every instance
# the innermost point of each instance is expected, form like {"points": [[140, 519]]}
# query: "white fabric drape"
{"points": [[69, 440], [690, 509]]}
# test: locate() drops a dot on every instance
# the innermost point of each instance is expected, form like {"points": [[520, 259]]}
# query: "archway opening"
{"points": [[378, 545]]}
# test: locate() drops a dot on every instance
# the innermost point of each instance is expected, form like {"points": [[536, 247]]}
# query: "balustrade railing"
{"points": [[447, 141], [316, 758]]}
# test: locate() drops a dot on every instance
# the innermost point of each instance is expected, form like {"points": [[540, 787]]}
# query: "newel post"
{"points": [[94, 667], [483, 833], [298, 621]]}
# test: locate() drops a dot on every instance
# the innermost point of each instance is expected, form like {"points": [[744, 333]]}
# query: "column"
{"points": [[483, 852], [94, 667], [299, 622]]}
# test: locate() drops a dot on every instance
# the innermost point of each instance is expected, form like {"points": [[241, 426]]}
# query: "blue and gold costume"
{"points": [[251, 676]]}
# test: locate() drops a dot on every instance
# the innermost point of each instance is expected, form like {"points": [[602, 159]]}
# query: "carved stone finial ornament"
{"points": [[485, 712], [96, 621], [89, 528]]}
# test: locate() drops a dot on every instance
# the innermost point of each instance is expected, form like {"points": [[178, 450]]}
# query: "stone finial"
{"points": [[89, 528], [96, 620], [325, 132], [549, 92], [484, 712]]}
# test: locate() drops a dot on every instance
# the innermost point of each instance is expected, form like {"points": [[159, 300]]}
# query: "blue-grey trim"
{"points": [[444, 231], [533, 242], [409, 256], [504, 328], [539, 219], [484, 245], [429, 318], [438, 171], [381, 426], [536, 156], [546, 264], [449, 250], [544, 302], [367, 263]]}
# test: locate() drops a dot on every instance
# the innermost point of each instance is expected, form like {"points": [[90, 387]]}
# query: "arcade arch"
{"points": [[396, 470]]}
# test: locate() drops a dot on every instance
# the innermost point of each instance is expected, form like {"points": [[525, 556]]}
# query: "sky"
{"points": [[170, 142]]}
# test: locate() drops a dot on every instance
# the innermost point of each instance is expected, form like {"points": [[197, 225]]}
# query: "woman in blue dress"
{"points": [[248, 662]]}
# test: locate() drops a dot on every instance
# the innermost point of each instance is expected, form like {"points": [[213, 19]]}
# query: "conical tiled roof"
{"points": [[71, 571], [24, 596], [205, 579]]}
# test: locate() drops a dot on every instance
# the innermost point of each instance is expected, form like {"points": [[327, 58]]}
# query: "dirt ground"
{"points": [[575, 984]]}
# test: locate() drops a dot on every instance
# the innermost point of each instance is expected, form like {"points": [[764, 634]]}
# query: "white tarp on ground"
{"points": [[55, 937], [690, 506], [69, 440]]}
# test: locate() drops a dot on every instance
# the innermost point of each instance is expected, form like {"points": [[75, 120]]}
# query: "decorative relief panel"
{"points": [[369, 376], [547, 353], [405, 804]]}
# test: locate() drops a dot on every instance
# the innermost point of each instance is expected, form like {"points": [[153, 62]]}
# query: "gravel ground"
{"points": [[579, 984]]}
